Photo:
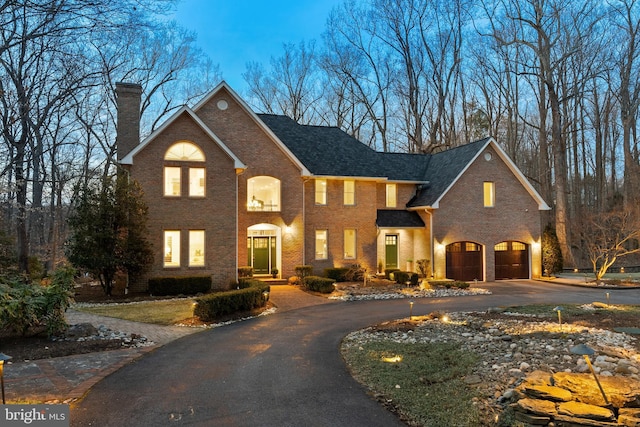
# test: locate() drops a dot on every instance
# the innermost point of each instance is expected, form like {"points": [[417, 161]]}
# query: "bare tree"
{"points": [[610, 235]]}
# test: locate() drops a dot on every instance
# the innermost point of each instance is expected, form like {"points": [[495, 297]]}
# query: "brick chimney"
{"points": [[128, 96]]}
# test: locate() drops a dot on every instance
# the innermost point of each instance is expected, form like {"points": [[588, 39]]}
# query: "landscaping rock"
{"points": [[554, 394], [584, 410], [81, 330]]}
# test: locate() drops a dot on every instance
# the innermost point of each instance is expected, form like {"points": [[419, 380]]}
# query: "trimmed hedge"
{"points": [[302, 271], [245, 271], [323, 285], [211, 306], [389, 271], [339, 274], [190, 285], [402, 277], [449, 284]]}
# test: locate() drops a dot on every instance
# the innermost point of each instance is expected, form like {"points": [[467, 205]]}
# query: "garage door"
{"points": [[464, 261], [512, 260]]}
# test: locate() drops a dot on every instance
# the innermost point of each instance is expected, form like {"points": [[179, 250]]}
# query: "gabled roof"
{"points": [[398, 219], [255, 118], [446, 168], [329, 151], [128, 159]]}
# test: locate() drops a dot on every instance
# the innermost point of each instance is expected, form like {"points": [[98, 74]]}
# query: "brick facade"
{"points": [[238, 147]]}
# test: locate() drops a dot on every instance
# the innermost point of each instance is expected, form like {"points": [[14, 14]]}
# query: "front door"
{"points": [[391, 251], [260, 262]]}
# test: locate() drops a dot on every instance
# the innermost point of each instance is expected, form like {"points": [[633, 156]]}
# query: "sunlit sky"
{"points": [[236, 32]]}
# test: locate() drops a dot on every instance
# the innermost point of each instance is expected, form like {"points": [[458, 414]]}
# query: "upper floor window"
{"points": [[349, 192], [184, 151], [263, 193], [391, 196], [172, 183], [321, 191], [196, 182], [489, 194]]}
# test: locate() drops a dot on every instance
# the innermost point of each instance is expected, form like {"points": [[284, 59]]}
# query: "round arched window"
{"points": [[184, 151]]}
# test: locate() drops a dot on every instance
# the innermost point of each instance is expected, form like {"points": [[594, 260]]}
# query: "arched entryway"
{"points": [[512, 260], [264, 248], [464, 261]]}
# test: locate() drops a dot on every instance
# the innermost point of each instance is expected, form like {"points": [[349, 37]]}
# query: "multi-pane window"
{"points": [[489, 189], [321, 191], [172, 181], [392, 196], [321, 244], [263, 194], [172, 248], [196, 182], [349, 192], [349, 243], [196, 248], [184, 151]]}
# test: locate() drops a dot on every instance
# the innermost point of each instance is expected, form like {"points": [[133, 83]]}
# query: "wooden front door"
{"points": [[262, 254]]}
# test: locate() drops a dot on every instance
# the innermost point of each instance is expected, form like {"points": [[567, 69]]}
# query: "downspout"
{"points": [[304, 222], [433, 261], [239, 172]]}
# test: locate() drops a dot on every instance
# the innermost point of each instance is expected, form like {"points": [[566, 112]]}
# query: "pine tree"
{"points": [[109, 233]]}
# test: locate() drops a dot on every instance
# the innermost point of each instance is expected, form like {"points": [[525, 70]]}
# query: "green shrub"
{"points": [[25, 306], [248, 282], [302, 271], [212, 306], [339, 274], [323, 285], [449, 284], [389, 273], [402, 277], [189, 285], [245, 271]]}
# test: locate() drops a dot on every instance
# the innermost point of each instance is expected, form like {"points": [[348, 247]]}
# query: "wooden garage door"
{"points": [[464, 261], [512, 260]]}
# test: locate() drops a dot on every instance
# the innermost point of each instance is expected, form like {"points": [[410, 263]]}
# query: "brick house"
{"points": [[227, 187]]}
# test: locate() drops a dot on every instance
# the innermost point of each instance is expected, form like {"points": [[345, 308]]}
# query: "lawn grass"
{"points": [[567, 310], [423, 382], [164, 313]]}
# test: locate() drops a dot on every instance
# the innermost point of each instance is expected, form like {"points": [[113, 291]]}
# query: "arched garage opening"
{"points": [[512, 260], [464, 261]]}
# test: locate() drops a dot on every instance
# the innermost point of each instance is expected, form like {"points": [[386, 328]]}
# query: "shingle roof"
{"points": [[329, 151], [398, 219], [443, 169]]}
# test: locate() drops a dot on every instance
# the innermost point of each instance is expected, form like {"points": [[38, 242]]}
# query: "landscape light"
{"points": [[3, 358], [410, 310], [587, 351], [559, 310], [607, 294]]}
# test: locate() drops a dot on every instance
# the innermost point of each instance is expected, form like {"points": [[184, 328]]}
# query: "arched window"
{"points": [[263, 194], [184, 151]]}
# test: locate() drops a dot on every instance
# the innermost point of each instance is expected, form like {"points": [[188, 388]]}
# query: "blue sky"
{"points": [[235, 32]]}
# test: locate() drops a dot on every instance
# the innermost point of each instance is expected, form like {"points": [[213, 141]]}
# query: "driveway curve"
{"points": [[280, 370]]}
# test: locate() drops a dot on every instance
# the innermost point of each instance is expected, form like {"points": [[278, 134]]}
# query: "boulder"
{"points": [[542, 408], [81, 330], [555, 394], [584, 410], [621, 391]]}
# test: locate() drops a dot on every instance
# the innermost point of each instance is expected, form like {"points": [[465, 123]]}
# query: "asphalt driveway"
{"points": [[280, 370]]}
